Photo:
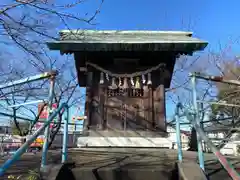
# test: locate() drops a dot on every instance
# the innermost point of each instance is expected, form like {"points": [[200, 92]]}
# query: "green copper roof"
{"points": [[90, 40]]}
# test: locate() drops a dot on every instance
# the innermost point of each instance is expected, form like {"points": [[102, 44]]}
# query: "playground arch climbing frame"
{"points": [[45, 128], [193, 117]]}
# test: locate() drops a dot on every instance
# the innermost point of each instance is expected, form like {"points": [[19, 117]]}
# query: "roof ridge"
{"points": [[156, 32]]}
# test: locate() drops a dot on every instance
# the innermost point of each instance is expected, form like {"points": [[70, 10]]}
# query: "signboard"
{"points": [[44, 113]]}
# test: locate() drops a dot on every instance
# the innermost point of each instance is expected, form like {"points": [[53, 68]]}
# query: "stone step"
{"points": [[136, 142], [151, 158], [115, 173], [190, 171], [112, 161]]}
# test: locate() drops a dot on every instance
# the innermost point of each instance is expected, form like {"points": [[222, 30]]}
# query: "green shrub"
{"points": [[32, 175]]}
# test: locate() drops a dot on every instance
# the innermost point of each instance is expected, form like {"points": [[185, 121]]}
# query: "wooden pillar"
{"points": [[147, 103], [150, 106], [104, 107], [145, 107], [159, 107], [86, 121], [102, 124], [96, 120], [88, 101]]}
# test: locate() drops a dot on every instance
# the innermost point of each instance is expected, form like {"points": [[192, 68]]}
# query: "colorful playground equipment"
{"points": [[45, 127]]}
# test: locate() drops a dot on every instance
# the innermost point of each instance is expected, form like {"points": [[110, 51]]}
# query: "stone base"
{"points": [[124, 142], [122, 133]]}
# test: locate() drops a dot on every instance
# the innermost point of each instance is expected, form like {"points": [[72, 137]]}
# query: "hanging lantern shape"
{"points": [[143, 79], [120, 86], [113, 85], [125, 83], [119, 82], [137, 84], [101, 78], [132, 82], [107, 77], [149, 79]]}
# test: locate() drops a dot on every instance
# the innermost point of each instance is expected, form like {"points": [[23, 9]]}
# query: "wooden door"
{"points": [[128, 112]]}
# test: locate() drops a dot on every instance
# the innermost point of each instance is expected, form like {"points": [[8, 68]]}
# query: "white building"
{"points": [[173, 137], [216, 133]]}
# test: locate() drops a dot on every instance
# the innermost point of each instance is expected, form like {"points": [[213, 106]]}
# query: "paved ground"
{"points": [[141, 159]]}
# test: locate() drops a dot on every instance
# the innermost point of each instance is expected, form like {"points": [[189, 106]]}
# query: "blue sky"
{"points": [[213, 21]]}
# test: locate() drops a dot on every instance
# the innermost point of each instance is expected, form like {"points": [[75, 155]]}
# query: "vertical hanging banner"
{"points": [[44, 114]]}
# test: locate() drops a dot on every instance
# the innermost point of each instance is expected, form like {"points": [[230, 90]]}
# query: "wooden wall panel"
{"points": [[141, 113]]}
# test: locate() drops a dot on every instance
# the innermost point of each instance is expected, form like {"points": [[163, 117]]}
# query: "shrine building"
{"points": [[125, 74]]}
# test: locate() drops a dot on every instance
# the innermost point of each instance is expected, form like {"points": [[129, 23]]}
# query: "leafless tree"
{"points": [[210, 63], [25, 26]]}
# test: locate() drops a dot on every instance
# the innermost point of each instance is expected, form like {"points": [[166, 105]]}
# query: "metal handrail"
{"points": [[225, 163], [25, 146]]}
